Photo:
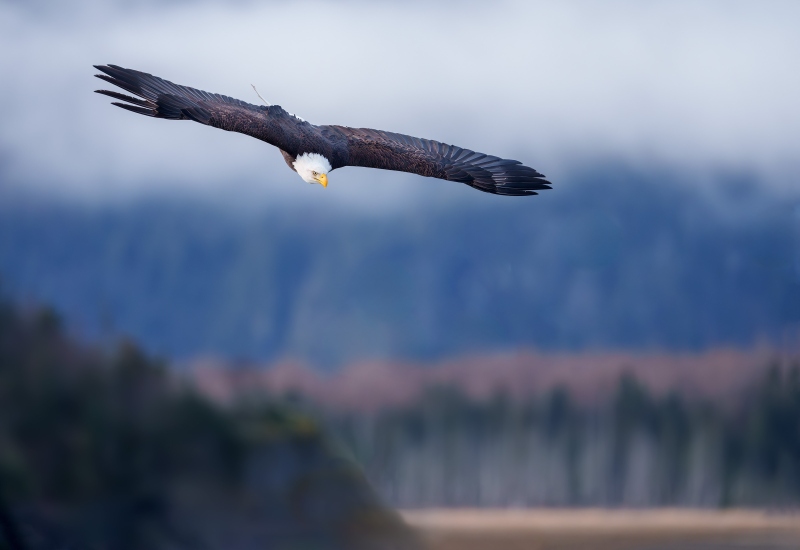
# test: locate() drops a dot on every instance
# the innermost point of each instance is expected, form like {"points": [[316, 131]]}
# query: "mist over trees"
{"points": [[614, 258]]}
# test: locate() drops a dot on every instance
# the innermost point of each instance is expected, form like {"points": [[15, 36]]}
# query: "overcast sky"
{"points": [[554, 84]]}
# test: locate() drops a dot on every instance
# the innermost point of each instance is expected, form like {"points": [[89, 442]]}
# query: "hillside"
{"points": [[611, 259], [101, 449]]}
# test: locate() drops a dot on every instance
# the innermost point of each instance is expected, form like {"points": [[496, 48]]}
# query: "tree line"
{"points": [[635, 449]]}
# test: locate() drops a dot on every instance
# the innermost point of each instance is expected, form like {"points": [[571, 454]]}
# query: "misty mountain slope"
{"points": [[613, 259]]}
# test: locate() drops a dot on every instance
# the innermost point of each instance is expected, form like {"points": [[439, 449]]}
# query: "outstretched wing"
{"points": [[343, 146], [161, 98], [390, 151]]}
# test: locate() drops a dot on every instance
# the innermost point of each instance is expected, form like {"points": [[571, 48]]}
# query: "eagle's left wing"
{"points": [[391, 151]]}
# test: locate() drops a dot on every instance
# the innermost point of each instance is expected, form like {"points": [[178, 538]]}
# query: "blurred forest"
{"points": [[616, 258], [104, 449], [632, 450], [107, 447]]}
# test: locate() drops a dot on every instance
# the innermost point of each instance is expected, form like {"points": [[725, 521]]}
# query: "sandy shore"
{"points": [[542, 529]]}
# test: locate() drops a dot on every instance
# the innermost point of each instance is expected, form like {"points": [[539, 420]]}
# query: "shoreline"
{"points": [[600, 519]]}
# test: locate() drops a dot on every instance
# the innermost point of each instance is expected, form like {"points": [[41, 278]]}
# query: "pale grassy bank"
{"points": [[664, 529]]}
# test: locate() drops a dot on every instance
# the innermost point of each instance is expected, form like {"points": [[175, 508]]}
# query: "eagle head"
{"points": [[313, 168]]}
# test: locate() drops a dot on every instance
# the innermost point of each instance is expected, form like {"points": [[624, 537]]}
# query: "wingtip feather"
{"points": [[135, 109]]}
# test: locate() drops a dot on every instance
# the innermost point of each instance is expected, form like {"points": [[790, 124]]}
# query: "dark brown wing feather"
{"points": [[161, 98], [390, 151]]}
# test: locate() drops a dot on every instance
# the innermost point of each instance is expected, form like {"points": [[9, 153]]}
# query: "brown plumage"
{"points": [[342, 146]]}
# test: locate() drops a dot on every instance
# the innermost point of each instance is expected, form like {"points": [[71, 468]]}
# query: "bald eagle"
{"points": [[314, 151]]}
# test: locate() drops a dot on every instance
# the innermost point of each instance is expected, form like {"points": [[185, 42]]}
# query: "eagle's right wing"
{"points": [[162, 99]]}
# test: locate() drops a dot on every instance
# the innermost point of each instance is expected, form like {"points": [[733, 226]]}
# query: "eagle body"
{"points": [[300, 141]]}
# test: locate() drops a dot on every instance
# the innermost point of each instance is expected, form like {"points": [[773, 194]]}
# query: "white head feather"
{"points": [[310, 166]]}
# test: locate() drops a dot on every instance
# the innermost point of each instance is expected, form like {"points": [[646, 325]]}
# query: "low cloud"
{"points": [[553, 84]]}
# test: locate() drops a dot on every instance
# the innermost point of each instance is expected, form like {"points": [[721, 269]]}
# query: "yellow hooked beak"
{"points": [[323, 180]]}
